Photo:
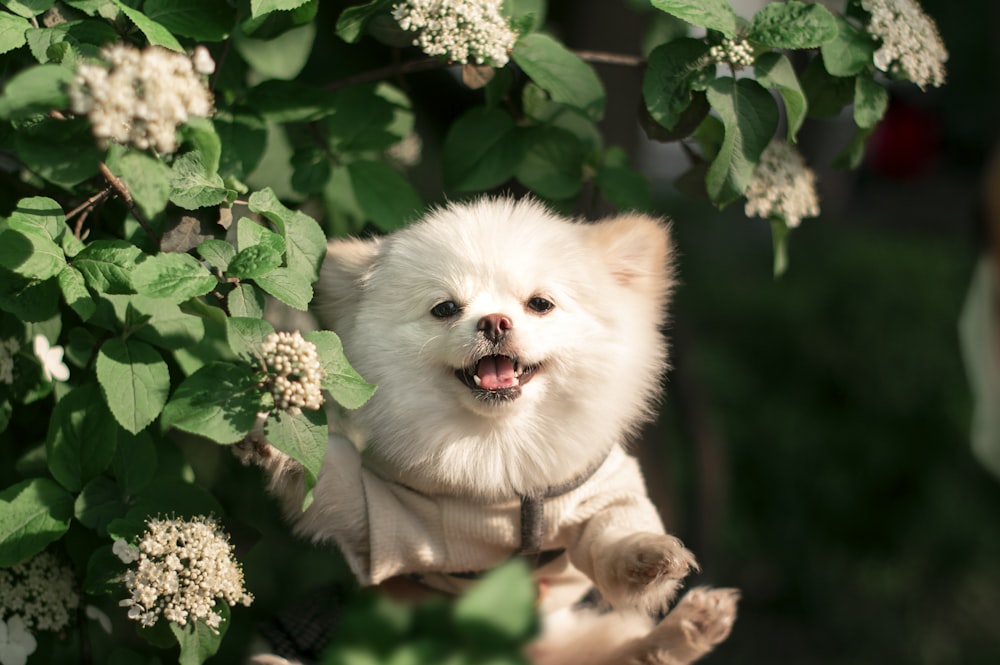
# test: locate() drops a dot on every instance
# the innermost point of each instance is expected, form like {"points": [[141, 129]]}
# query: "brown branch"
{"points": [[123, 192], [84, 209], [428, 64], [603, 58]]}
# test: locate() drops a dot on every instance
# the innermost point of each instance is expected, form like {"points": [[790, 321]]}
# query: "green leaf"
{"points": [[219, 402], [98, 504], [74, 289], [147, 179], [289, 286], [500, 608], [12, 29], [29, 8], [304, 238], [201, 20], [33, 513], [793, 25], [712, 14], [870, 102], [81, 439], [340, 379], [28, 299], [386, 196], [290, 101], [31, 253], [352, 21], [626, 188], [107, 265], [217, 252], [174, 276], [853, 153], [481, 150], [245, 300], [259, 8], [827, 95], [198, 642], [246, 335], [670, 76], [104, 577], [552, 165], [135, 381], [850, 52], [302, 437], [61, 151], [369, 118], [774, 71], [250, 233], [750, 118], [191, 187], [561, 73], [35, 90], [38, 213], [154, 32], [134, 462], [243, 137], [200, 134], [253, 262], [282, 57]]}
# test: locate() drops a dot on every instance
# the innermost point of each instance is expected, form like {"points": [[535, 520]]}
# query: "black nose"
{"points": [[495, 326]]}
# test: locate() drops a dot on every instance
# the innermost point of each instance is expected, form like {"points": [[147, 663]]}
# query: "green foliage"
{"points": [[146, 273]]}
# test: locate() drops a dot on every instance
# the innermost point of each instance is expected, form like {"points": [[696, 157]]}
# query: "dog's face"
{"points": [[509, 346]]}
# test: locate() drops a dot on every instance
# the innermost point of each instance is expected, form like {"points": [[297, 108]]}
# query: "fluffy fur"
{"points": [[490, 289]]}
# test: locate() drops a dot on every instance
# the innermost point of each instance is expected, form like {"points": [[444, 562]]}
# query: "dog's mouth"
{"points": [[496, 378]]}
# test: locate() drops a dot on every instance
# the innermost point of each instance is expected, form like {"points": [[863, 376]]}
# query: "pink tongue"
{"points": [[496, 373]]}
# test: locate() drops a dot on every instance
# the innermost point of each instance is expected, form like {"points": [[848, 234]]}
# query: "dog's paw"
{"points": [[705, 616], [642, 570], [652, 557]]}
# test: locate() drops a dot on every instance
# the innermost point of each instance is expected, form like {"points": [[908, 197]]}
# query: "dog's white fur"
{"points": [[600, 356]]}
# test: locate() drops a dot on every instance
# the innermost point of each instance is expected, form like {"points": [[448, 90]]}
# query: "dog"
{"points": [[515, 353]]}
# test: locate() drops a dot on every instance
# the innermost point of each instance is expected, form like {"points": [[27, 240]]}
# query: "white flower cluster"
{"points": [[739, 53], [911, 45], [140, 97], [294, 371], [40, 591], [782, 186], [182, 568], [8, 348], [469, 30]]}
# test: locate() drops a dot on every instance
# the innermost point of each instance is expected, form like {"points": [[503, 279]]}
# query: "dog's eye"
{"points": [[445, 310], [540, 305]]}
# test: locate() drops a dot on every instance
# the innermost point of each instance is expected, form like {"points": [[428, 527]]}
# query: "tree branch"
{"points": [[123, 192], [428, 64]]}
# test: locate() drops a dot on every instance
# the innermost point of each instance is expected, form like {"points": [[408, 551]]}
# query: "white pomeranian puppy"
{"points": [[515, 352]]}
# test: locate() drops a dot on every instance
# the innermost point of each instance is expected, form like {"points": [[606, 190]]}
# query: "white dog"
{"points": [[514, 352]]}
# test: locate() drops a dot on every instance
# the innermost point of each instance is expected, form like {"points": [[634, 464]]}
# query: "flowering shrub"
{"points": [[158, 158]]}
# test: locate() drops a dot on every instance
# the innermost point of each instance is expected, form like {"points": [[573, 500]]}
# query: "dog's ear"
{"points": [[639, 252], [342, 278]]}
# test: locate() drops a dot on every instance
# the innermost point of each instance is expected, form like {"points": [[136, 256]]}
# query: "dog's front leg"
{"points": [[633, 563]]}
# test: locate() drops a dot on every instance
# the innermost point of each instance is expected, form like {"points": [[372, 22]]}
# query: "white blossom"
{"points": [[8, 348], [51, 358], [782, 186], [911, 45], [183, 569], [140, 97], [294, 371], [738, 53], [465, 31], [40, 592], [125, 552], [16, 641]]}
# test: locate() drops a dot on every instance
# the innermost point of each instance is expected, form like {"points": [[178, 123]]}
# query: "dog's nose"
{"points": [[495, 326]]}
